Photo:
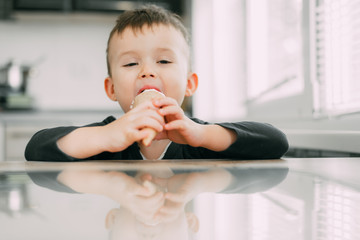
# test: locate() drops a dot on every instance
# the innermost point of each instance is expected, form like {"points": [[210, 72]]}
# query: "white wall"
{"points": [[72, 47]]}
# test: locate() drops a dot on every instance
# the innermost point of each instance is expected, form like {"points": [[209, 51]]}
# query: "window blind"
{"points": [[337, 213], [275, 215], [337, 50]]}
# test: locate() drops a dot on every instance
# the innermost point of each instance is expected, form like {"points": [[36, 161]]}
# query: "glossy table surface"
{"points": [[258, 199]]}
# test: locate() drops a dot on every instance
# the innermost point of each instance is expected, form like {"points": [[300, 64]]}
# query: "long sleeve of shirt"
{"points": [[253, 141]]}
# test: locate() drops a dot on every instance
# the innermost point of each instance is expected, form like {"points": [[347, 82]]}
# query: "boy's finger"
{"points": [[176, 197], [162, 182], [145, 105], [137, 136], [168, 214], [161, 135], [142, 191], [149, 123], [170, 210], [143, 176], [151, 114], [154, 199], [176, 111], [161, 102], [175, 125]]}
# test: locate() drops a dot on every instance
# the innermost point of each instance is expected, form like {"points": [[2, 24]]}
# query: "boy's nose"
{"points": [[147, 75], [147, 72]]}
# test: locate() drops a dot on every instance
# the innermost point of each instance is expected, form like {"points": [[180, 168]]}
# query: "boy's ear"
{"points": [[192, 84], [109, 88], [193, 222], [110, 218]]}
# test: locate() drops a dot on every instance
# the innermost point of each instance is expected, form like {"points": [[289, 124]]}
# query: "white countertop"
{"points": [[279, 199]]}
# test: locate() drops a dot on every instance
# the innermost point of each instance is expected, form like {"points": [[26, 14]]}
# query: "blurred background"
{"points": [[292, 63]]}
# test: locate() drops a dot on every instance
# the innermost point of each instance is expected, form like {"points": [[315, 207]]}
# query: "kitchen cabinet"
{"points": [[46, 5], [92, 5], [16, 128], [2, 142], [16, 136]]}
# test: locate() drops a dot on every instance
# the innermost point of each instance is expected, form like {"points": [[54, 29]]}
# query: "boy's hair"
{"points": [[148, 15]]}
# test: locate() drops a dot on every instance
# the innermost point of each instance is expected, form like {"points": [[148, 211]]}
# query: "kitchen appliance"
{"points": [[13, 84], [14, 196], [6, 9]]}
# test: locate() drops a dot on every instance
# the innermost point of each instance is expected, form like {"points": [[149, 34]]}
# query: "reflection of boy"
{"points": [[144, 213], [147, 211], [169, 221], [148, 49], [122, 224]]}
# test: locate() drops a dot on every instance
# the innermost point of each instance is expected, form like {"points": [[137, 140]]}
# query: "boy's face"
{"points": [[156, 57]]}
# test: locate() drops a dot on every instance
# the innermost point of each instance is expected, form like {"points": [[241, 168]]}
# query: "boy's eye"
{"points": [[130, 64], [164, 62]]}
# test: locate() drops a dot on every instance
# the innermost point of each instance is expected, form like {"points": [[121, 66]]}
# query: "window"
{"points": [[297, 59], [337, 57], [274, 49]]}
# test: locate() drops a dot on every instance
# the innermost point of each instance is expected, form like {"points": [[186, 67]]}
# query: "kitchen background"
{"points": [[294, 64]]}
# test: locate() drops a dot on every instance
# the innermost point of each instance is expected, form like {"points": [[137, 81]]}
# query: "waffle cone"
{"points": [[148, 95]]}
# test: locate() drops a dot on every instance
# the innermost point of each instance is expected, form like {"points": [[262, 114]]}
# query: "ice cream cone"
{"points": [[148, 95]]}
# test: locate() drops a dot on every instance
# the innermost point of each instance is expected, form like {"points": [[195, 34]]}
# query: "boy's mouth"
{"points": [[143, 89], [148, 88]]}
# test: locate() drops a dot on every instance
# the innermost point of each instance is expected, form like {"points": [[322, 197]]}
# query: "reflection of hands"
{"points": [[122, 188], [184, 187], [149, 206], [136, 197], [181, 189]]}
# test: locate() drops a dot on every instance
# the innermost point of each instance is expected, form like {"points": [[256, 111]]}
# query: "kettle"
{"points": [[13, 83], [14, 78]]}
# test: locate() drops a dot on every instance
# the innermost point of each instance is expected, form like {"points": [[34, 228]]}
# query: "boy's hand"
{"points": [[115, 136], [129, 128], [181, 129], [120, 187], [181, 189], [134, 126], [132, 195], [178, 128]]}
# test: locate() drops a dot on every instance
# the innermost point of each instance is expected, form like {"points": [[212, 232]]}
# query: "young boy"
{"points": [[149, 49]]}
